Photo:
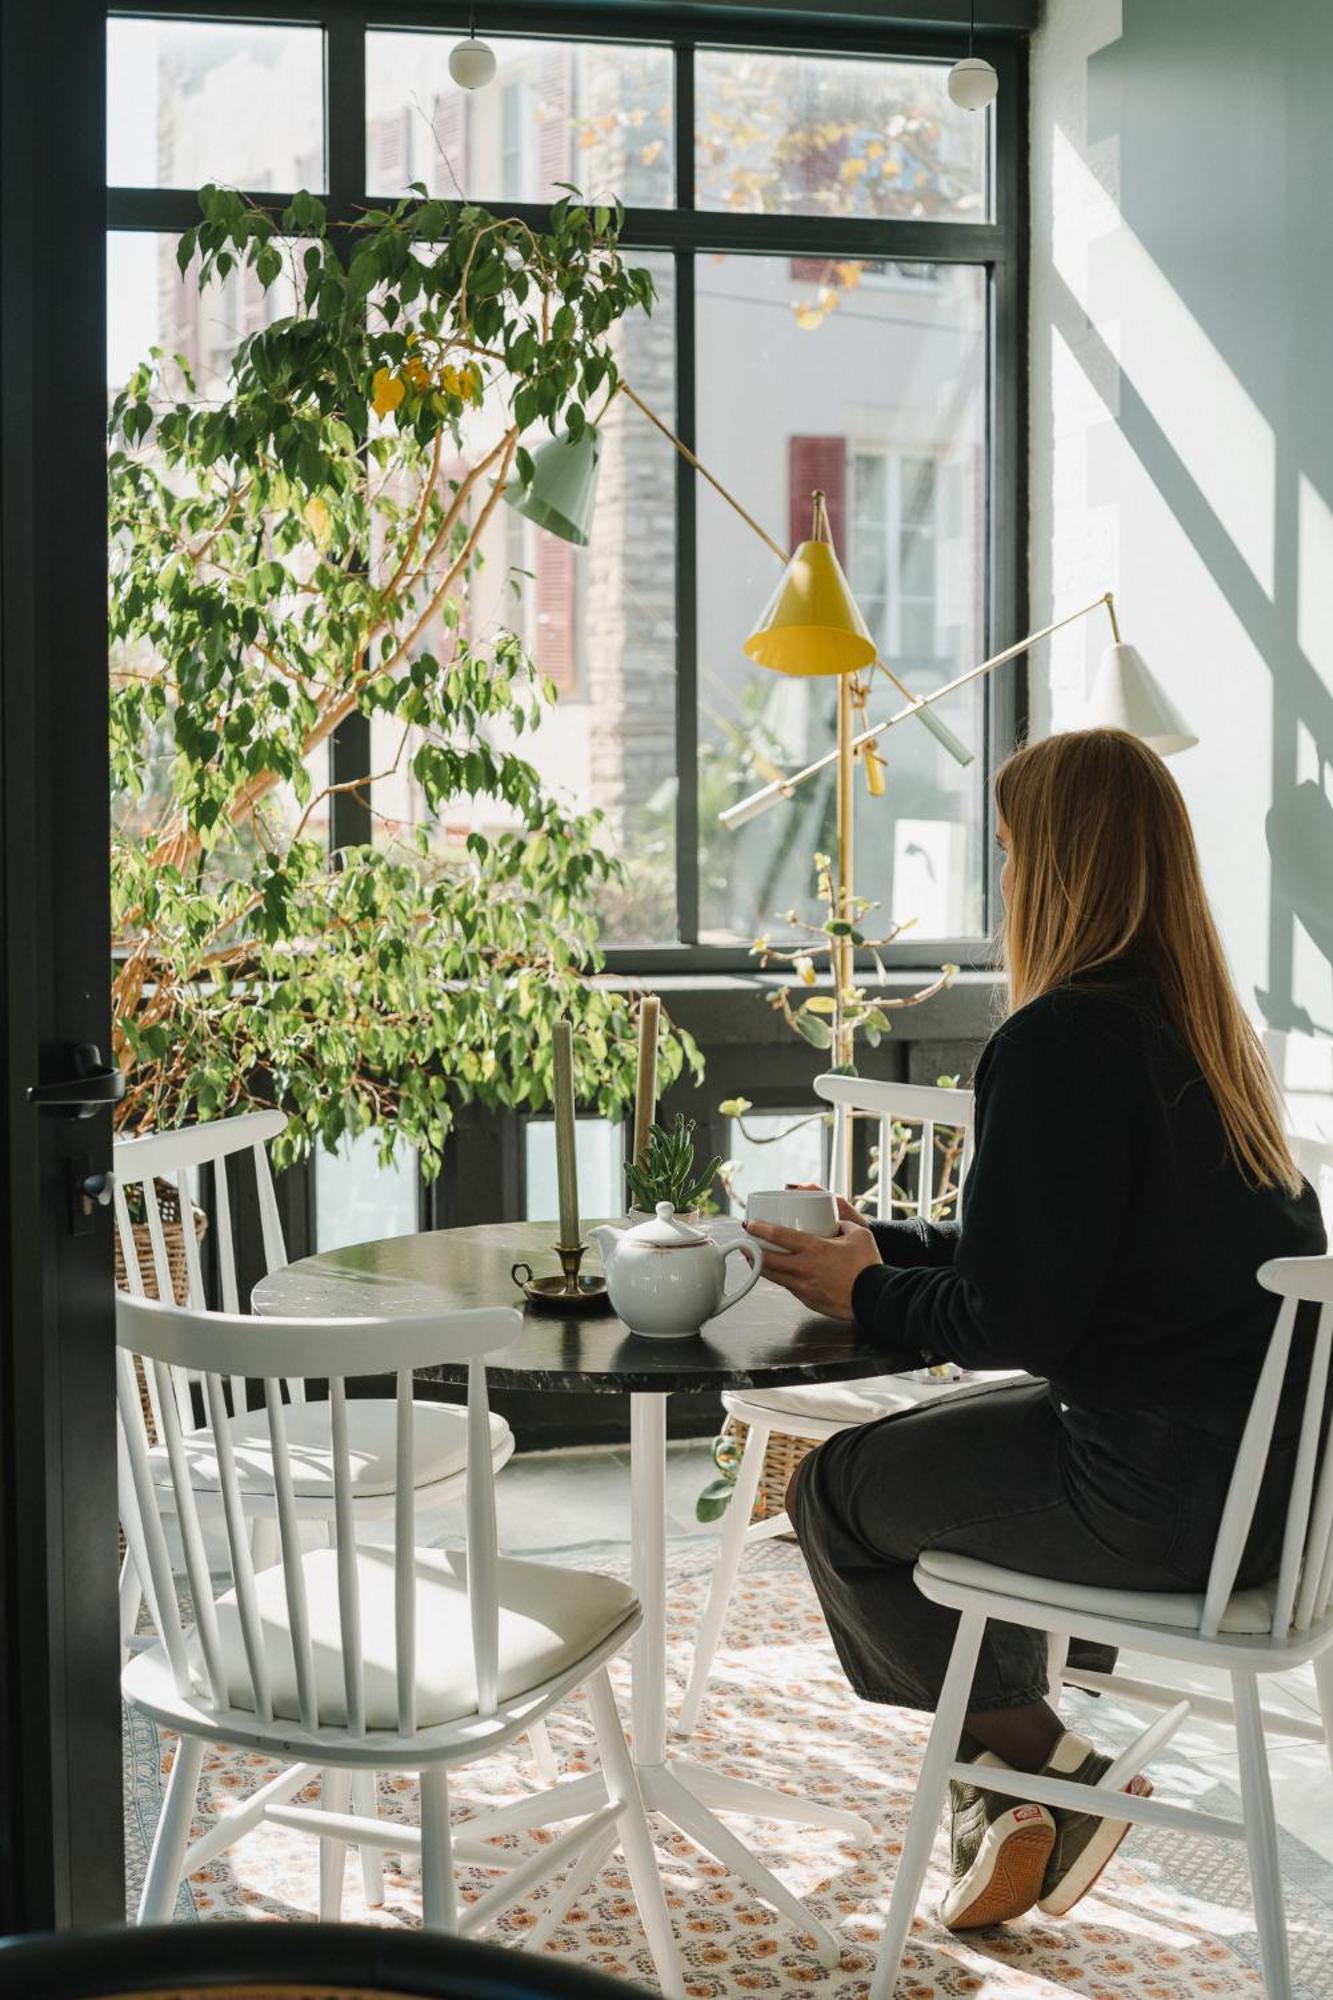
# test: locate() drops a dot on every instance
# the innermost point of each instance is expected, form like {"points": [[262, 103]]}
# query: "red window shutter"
{"points": [[817, 462], [557, 584], [555, 156]]}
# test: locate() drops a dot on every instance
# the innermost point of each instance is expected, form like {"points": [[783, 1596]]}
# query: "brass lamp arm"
{"points": [[783, 788]]}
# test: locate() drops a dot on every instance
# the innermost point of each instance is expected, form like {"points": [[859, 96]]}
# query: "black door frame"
{"points": [[60, 1768]]}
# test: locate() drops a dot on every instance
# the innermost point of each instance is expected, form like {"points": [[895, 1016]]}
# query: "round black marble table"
{"points": [[766, 1340]]}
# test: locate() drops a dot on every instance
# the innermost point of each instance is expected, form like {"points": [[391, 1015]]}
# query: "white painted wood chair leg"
{"points": [[543, 1756], [1057, 1655], [731, 1547], [335, 1790], [931, 1786], [365, 1804], [264, 1546], [171, 1839], [1261, 1838], [1323, 1680], [131, 1600], [622, 1788], [439, 1896]]}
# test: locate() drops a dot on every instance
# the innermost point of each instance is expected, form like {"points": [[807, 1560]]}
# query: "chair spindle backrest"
{"points": [[139, 1164], [1305, 1576], [922, 1106], [279, 1351]]}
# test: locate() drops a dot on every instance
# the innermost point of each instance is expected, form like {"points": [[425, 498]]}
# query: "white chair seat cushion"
{"points": [[858, 1402], [1249, 1611], [440, 1448], [550, 1619]]}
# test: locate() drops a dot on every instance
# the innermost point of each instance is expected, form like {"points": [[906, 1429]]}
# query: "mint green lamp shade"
{"points": [[562, 492]]}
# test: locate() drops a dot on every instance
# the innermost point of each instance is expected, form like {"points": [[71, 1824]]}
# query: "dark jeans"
{"points": [[1126, 1499]]}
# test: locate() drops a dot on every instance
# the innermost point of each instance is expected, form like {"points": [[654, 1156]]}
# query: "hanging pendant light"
{"points": [[973, 82], [472, 63]]}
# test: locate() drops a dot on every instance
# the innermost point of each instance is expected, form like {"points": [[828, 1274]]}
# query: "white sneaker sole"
{"points": [[1006, 1877], [1076, 1882]]}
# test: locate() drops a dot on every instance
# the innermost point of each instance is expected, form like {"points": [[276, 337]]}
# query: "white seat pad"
{"points": [[1249, 1611], [440, 1448], [860, 1402], [550, 1618]]}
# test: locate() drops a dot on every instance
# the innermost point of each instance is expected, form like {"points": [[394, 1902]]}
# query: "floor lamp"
{"points": [[812, 625]]}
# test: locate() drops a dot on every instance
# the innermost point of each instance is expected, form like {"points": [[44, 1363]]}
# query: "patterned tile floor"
{"points": [[1169, 1921]]}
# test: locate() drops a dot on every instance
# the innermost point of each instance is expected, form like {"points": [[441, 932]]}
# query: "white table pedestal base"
{"points": [[686, 1794]]}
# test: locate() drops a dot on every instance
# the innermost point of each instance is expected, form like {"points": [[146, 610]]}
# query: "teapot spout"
{"points": [[605, 1236]]}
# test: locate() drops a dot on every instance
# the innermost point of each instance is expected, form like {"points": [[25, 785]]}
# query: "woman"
{"points": [[1130, 1176]]}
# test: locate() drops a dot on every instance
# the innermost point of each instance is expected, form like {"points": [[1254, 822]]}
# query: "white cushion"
{"points": [[549, 1619], [440, 1448], [1249, 1611], [860, 1402]]}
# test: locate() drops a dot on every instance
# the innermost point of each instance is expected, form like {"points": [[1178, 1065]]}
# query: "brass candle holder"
{"points": [[567, 1293]]}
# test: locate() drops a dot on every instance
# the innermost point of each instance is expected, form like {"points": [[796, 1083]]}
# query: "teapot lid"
{"points": [[666, 1231]]}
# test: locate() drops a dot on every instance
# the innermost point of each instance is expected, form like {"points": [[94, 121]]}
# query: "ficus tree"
{"points": [[300, 550]]}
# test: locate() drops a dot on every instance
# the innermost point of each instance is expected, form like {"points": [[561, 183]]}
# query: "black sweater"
{"points": [[1108, 1241]]}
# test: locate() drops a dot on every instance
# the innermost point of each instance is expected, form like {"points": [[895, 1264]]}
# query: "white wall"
{"points": [[1182, 441]]}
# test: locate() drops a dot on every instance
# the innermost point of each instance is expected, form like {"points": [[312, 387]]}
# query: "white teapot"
{"points": [[665, 1279]]}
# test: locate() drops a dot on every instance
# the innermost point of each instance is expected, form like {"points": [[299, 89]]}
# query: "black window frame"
{"points": [[927, 29]]}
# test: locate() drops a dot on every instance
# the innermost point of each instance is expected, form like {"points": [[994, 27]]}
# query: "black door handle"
{"points": [[83, 1094]]}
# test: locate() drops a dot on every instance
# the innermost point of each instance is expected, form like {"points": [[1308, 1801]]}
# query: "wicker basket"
{"points": [[169, 1208], [781, 1458]]}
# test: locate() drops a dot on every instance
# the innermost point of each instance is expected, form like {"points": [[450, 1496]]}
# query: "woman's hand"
{"points": [[819, 1270]]}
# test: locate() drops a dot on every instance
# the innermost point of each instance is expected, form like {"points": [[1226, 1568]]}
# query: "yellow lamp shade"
{"points": [[812, 623]]}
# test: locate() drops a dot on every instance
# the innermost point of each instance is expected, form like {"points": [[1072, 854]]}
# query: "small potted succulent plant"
{"points": [[665, 1170]]}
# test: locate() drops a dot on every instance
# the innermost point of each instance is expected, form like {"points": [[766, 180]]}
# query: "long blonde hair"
{"points": [[1104, 868]]}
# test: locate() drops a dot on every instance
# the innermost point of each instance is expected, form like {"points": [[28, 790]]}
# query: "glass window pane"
{"points": [[150, 304], [598, 115], [788, 402], [827, 135], [770, 1148], [230, 101], [601, 622], [357, 1199], [599, 1147]]}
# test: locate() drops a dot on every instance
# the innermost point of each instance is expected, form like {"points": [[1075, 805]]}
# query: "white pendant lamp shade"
{"points": [[973, 83], [472, 64], [1125, 696]]}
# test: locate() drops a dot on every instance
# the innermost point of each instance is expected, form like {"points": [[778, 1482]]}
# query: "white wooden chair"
{"points": [[441, 1427], [177, 1157], [819, 1412], [360, 1658], [1268, 1629]]}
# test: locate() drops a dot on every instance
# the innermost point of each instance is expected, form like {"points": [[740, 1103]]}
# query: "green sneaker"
{"points": [[1001, 1848], [1084, 1842]]}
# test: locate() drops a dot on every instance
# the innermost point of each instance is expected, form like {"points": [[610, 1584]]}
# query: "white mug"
{"points": [[813, 1210]]}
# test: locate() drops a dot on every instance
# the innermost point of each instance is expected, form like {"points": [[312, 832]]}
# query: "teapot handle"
{"points": [[754, 1256]]}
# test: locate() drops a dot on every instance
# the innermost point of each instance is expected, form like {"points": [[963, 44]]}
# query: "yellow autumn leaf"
{"points": [[875, 151], [650, 153], [417, 372], [317, 518], [388, 393], [450, 381], [809, 317], [851, 170]]}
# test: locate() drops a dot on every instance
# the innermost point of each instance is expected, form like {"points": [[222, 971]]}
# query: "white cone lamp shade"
{"points": [[1125, 696], [472, 64], [973, 83]]}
